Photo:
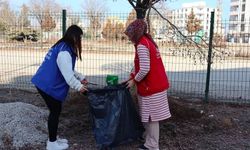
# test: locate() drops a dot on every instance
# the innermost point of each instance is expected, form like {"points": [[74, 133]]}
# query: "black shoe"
{"points": [[142, 147]]}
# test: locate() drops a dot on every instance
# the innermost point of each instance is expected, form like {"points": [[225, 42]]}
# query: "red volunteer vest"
{"points": [[156, 80]]}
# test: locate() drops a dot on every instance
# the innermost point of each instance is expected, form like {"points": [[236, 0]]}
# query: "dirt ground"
{"points": [[194, 125]]}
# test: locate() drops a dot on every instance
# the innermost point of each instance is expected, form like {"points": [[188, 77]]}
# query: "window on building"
{"points": [[242, 17], [243, 7], [233, 18], [232, 26], [242, 27], [234, 8]]}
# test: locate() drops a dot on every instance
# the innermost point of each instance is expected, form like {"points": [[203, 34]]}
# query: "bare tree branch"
{"points": [[156, 1], [42, 10], [95, 13], [193, 49], [131, 3]]}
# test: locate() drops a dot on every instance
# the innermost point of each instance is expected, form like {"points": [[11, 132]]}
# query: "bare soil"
{"points": [[193, 126]]}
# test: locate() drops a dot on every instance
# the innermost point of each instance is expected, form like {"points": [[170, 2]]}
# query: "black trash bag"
{"points": [[115, 119]]}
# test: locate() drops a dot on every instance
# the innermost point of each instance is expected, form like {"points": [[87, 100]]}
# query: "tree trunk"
{"points": [[140, 8]]}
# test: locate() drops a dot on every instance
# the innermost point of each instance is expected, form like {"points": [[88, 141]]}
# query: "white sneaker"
{"points": [[62, 140], [56, 145]]}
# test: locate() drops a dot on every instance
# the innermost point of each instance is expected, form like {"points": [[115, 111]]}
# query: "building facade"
{"points": [[239, 21], [202, 13]]}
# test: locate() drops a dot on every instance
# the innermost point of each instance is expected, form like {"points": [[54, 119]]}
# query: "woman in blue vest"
{"points": [[54, 77]]}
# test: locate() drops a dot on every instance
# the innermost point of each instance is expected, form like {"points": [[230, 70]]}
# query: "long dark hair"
{"points": [[73, 37]]}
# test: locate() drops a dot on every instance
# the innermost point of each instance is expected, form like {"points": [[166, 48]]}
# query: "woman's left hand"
{"points": [[130, 83]]}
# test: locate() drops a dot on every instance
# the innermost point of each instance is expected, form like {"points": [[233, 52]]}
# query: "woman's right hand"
{"points": [[83, 89], [130, 83]]}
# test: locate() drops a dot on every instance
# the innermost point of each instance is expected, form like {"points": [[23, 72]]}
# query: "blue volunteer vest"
{"points": [[49, 78]]}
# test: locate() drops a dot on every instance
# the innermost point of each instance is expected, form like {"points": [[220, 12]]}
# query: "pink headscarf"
{"points": [[136, 30]]}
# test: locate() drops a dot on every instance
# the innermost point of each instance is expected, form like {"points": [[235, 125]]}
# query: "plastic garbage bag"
{"points": [[114, 117]]}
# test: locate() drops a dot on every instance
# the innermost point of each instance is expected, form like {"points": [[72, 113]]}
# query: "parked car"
{"points": [[21, 37]]}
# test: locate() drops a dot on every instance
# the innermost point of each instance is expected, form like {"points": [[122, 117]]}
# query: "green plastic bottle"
{"points": [[112, 79]]}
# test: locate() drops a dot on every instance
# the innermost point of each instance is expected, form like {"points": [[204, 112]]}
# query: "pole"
{"points": [[63, 21], [211, 34]]}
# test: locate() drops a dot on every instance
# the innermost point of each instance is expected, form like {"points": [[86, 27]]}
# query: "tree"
{"points": [[119, 30], [95, 13], [7, 16], [107, 29], [43, 10], [131, 17], [23, 20], [142, 6], [219, 40], [73, 19], [2, 27], [113, 30], [143, 9], [193, 24], [47, 23]]}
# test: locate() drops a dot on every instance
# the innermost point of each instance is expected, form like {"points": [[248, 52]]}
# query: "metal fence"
{"points": [[107, 51]]}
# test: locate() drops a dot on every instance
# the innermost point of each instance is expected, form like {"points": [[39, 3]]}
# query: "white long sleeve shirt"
{"points": [[73, 78]]}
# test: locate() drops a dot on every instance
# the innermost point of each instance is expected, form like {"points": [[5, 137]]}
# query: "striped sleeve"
{"points": [[144, 62]]}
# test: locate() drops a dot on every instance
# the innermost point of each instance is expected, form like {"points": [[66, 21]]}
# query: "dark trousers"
{"points": [[55, 108]]}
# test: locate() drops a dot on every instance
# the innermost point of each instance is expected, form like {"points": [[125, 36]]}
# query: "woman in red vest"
{"points": [[151, 81]]}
